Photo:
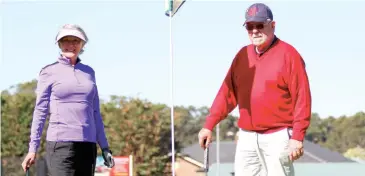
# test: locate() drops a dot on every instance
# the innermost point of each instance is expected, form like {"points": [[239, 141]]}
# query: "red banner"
{"points": [[122, 166]]}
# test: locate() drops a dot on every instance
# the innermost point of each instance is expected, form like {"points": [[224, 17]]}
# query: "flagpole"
{"points": [[218, 150], [172, 99]]}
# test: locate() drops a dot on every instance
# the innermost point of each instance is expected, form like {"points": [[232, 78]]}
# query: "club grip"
{"points": [[27, 172]]}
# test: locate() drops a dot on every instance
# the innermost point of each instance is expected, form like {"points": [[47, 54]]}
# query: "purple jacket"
{"points": [[69, 93]]}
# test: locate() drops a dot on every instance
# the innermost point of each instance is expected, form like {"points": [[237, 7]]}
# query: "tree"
{"points": [[16, 114], [347, 132], [17, 110], [192, 121], [355, 153], [318, 129], [142, 129]]}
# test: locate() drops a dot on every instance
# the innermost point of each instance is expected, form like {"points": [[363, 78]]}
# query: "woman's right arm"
{"points": [[40, 113]]}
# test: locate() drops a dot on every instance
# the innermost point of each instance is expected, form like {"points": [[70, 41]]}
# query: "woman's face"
{"points": [[71, 46]]}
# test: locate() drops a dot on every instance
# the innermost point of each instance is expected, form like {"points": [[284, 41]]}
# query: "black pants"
{"points": [[71, 158]]}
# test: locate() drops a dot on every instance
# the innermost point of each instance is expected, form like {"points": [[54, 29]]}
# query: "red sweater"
{"points": [[272, 91]]}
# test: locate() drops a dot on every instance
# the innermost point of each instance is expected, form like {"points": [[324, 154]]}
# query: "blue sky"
{"points": [[129, 46]]}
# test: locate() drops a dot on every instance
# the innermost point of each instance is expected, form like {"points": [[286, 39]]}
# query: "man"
{"points": [[269, 83]]}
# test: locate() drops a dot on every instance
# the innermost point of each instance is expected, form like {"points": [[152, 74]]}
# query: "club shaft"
{"points": [[206, 159]]}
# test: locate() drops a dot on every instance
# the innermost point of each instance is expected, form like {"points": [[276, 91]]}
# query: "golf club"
{"points": [[206, 158]]}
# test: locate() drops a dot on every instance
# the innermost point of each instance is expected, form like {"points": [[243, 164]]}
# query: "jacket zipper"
{"points": [[75, 75]]}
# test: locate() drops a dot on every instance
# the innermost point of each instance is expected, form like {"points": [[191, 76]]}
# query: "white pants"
{"points": [[263, 154]]}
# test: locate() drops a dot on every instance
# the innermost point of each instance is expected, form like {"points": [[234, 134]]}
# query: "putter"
{"points": [[27, 172], [206, 158]]}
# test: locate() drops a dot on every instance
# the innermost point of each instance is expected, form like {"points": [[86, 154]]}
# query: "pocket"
{"points": [[64, 149], [285, 151], [50, 145], [290, 132], [62, 159]]}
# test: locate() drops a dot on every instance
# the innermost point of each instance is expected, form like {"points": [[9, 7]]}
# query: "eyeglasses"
{"points": [[260, 26]]}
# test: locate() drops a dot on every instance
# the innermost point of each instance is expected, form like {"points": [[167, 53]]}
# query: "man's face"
{"points": [[260, 33]]}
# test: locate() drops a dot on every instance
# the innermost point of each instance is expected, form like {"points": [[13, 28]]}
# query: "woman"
{"points": [[67, 90]]}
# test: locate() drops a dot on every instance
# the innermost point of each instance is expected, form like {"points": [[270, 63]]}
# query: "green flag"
{"points": [[172, 6]]}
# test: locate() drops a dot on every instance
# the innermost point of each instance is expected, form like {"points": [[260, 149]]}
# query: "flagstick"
{"points": [[172, 99], [218, 157]]}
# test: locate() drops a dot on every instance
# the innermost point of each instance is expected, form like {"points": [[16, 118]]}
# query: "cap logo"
{"points": [[252, 11]]}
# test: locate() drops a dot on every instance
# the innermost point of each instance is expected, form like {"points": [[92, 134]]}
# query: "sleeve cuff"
{"points": [[33, 149], [297, 135], [104, 144], [209, 124]]}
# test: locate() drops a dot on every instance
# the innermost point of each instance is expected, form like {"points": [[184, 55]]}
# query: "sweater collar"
{"points": [[67, 61], [270, 46]]}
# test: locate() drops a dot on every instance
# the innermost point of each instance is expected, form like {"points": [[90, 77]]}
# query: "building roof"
{"points": [[313, 153]]}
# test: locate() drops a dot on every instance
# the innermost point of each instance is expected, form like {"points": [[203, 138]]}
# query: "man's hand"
{"points": [[295, 149], [28, 161], [205, 134], [108, 158]]}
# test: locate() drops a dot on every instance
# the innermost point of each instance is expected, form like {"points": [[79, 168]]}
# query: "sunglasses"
{"points": [[71, 41], [251, 27]]}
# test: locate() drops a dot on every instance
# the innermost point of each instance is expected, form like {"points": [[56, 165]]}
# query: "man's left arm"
{"points": [[301, 96]]}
